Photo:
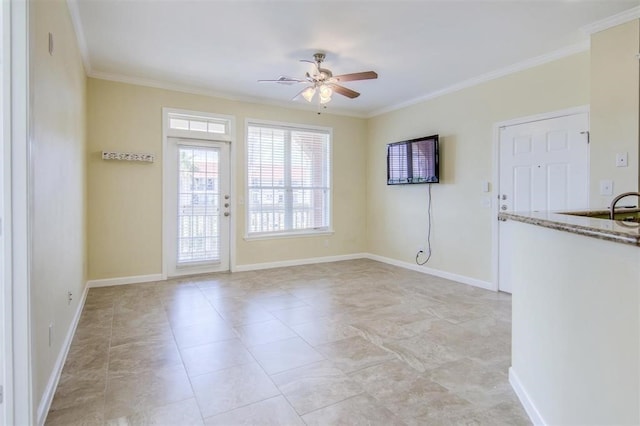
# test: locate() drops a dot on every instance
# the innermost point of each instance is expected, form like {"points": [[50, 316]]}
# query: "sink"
{"points": [[633, 215], [623, 216]]}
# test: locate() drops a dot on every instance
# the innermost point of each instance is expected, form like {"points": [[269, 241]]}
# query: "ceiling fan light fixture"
{"points": [[325, 91], [325, 94], [308, 93]]}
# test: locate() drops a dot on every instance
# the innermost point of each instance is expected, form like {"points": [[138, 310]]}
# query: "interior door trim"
{"points": [[495, 205]]}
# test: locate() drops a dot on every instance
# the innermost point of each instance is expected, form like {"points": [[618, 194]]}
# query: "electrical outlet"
{"points": [[50, 334], [69, 297], [622, 159], [326, 242]]}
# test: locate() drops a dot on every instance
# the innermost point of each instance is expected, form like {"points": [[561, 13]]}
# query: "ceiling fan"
{"points": [[323, 81]]}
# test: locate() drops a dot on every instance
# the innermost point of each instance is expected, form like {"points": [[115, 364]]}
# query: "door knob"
{"points": [[503, 207], [226, 204], [226, 197], [227, 213]]}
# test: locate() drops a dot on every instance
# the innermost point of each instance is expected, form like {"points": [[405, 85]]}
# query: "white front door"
{"points": [[198, 206], [543, 166]]}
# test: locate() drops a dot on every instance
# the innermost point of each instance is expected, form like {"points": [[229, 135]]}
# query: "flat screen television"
{"points": [[413, 161]]}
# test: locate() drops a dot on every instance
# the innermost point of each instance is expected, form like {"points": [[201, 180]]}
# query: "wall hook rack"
{"points": [[127, 156]]}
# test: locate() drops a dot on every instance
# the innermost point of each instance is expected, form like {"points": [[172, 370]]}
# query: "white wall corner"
{"points": [[612, 21], [54, 378], [76, 21], [525, 400]]}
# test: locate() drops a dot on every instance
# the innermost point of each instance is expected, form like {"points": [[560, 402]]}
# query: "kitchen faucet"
{"points": [[612, 209]]}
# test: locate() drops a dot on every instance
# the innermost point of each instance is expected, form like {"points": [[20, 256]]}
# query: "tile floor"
{"points": [[355, 342]]}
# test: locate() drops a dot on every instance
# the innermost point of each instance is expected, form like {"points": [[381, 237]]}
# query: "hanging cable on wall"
{"points": [[428, 235]]}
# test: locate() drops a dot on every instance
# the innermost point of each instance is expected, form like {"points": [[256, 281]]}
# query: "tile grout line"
{"points": [[106, 380], [184, 366]]}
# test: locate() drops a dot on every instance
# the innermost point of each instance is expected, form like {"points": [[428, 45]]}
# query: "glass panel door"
{"points": [[198, 207]]}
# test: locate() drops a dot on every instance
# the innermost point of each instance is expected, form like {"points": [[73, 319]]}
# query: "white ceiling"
{"points": [[418, 48]]}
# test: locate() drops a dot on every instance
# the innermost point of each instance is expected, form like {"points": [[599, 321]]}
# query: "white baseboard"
{"points": [[436, 272], [308, 261], [125, 280], [298, 262], [523, 396], [52, 384]]}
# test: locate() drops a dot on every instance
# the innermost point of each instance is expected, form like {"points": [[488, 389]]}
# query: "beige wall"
{"points": [[58, 184], [615, 109], [462, 227], [125, 199]]}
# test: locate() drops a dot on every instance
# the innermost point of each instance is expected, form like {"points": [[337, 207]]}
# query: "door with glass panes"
{"points": [[201, 207]]}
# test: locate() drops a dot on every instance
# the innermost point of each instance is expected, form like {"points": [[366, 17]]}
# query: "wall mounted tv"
{"points": [[413, 161]]}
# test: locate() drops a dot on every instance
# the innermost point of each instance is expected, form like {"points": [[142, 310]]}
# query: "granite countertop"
{"points": [[604, 229]]}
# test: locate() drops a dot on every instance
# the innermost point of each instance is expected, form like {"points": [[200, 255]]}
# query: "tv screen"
{"points": [[413, 161]]}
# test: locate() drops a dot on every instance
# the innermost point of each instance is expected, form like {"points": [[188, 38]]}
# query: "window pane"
{"points": [[198, 126], [288, 179], [217, 128], [198, 197], [176, 123]]}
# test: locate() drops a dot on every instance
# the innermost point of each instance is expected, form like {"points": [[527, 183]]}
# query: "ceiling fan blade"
{"points": [[365, 75], [283, 80], [344, 91]]}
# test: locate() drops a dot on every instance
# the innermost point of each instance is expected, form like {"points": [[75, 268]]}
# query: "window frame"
{"points": [[328, 230]]}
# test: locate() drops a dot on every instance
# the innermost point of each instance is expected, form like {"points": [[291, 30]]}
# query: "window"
{"points": [[288, 175], [197, 124]]}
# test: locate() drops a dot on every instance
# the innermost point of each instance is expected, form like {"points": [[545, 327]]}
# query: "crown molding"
{"points": [[157, 84], [612, 21], [74, 13], [502, 72]]}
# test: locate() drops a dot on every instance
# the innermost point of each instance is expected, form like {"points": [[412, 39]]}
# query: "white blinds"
{"points": [[288, 178]]}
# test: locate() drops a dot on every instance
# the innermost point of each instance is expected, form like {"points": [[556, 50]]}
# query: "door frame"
{"points": [[16, 205], [495, 205], [166, 176]]}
